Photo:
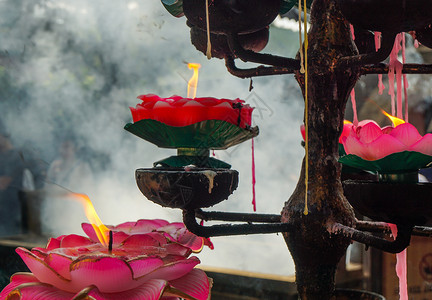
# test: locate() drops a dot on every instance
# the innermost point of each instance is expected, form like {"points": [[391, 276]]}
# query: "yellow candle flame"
{"points": [[193, 82], [393, 119], [101, 230]]}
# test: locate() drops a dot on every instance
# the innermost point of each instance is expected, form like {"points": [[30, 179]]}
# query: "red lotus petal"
{"points": [[99, 271], [222, 111], [143, 266], [195, 283], [208, 243], [406, 133], [383, 146], [173, 270], [74, 240], [38, 291], [16, 280], [303, 131], [43, 272], [424, 145], [168, 110], [369, 132], [165, 113], [151, 290]]}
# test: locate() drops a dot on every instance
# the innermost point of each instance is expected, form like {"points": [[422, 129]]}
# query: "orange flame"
{"points": [[193, 82], [100, 229], [394, 120]]}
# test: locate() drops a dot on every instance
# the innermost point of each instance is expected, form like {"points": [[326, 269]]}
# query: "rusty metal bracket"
{"points": [[399, 244], [189, 219]]}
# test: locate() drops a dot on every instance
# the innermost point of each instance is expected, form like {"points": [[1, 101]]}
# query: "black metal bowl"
{"points": [[232, 16], [255, 41], [186, 189], [397, 203], [424, 36], [387, 15]]}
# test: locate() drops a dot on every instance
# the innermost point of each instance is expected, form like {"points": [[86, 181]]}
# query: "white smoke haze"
{"points": [[76, 66]]}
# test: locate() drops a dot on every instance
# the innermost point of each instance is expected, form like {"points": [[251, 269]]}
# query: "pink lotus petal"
{"points": [[60, 264], [173, 229], [151, 290], [387, 129], [16, 280], [43, 272], [173, 270], [190, 240], [369, 132], [38, 291], [383, 146], [99, 271], [143, 266], [140, 240], [125, 226], [119, 237], [364, 122], [141, 226], [74, 240], [406, 133], [177, 249], [89, 230], [347, 128], [352, 145], [53, 243], [424, 145], [195, 283]]}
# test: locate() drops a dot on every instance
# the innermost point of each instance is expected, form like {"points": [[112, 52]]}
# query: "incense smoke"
{"points": [[72, 69]]}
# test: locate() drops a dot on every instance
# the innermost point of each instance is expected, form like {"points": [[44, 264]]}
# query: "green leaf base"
{"points": [[180, 161], [209, 134], [396, 163]]}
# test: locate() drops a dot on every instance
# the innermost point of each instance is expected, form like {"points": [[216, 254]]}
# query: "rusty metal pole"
{"points": [[316, 253]]}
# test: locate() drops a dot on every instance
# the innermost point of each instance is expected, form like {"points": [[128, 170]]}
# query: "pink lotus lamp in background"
{"points": [[397, 149]]}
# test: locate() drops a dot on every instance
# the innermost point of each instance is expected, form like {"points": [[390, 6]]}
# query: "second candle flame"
{"points": [[193, 82]]}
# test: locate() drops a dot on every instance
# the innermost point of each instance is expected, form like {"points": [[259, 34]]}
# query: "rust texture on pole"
{"points": [[315, 251]]}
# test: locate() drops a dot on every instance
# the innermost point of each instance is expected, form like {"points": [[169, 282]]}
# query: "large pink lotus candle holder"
{"points": [[147, 259]]}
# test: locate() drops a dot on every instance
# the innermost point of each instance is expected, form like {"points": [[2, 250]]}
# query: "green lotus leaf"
{"points": [[400, 162], [180, 161], [174, 7], [209, 134], [286, 5]]}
